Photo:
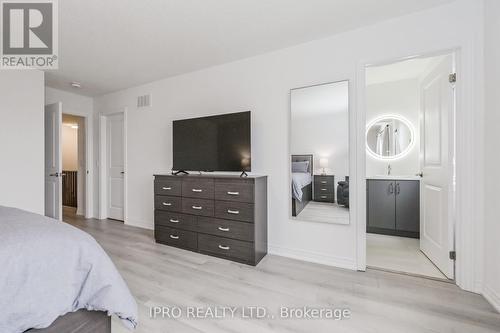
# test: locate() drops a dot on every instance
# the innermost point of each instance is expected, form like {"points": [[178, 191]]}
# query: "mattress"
{"points": [[49, 268]]}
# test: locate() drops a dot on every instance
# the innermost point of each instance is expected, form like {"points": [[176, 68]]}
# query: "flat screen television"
{"points": [[215, 143]]}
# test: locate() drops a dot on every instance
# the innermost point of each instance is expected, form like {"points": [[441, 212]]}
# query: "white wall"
{"points": [[326, 136], [22, 140], [82, 106], [492, 156], [400, 98], [320, 126], [262, 84], [69, 147]]}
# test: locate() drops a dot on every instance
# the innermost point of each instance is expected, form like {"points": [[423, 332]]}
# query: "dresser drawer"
{"points": [[322, 189], [234, 211], [324, 197], [226, 228], [172, 204], [168, 186], [198, 188], [324, 180], [175, 220], [201, 207], [225, 247], [234, 191], [176, 237]]}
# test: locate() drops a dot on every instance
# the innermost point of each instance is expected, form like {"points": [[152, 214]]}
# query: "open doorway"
{"points": [[73, 164], [66, 167], [410, 149]]}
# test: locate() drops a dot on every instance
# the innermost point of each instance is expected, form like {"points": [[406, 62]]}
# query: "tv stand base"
{"points": [[178, 172], [244, 174]]}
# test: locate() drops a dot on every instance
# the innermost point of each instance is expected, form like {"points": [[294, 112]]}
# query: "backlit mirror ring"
{"points": [[390, 117]]}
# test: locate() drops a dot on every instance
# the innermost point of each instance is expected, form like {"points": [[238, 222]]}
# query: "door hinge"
{"points": [[452, 77], [453, 255]]}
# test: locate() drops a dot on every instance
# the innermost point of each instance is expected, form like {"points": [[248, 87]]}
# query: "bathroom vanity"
{"points": [[393, 206]]}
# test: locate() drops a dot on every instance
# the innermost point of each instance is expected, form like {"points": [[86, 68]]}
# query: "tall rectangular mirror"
{"points": [[319, 150]]}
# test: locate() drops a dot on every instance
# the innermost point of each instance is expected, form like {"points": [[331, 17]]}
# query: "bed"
{"points": [[57, 278], [301, 184]]}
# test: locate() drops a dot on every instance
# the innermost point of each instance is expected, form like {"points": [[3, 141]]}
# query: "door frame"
{"points": [[103, 163], [467, 273], [89, 189]]}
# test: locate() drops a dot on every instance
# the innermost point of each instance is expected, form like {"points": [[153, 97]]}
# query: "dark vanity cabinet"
{"points": [[393, 207]]}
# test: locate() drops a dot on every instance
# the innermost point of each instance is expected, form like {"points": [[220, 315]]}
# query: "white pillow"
{"points": [[300, 166]]}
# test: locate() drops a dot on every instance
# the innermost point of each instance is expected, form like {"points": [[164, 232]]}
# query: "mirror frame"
{"points": [[350, 150], [395, 117]]}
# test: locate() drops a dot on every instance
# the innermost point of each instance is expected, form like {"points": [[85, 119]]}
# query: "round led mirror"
{"points": [[389, 137]]}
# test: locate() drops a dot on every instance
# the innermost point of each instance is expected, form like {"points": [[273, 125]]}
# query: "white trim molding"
{"points": [[467, 273], [312, 256], [102, 163], [492, 297]]}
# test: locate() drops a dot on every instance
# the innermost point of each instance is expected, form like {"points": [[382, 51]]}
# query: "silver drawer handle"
{"points": [[167, 204], [197, 207], [197, 190], [174, 221], [323, 182], [233, 211], [233, 193], [222, 247], [323, 189], [223, 229], [323, 197], [174, 237], [166, 188]]}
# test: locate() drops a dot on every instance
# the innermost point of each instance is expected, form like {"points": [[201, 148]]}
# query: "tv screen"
{"points": [[215, 143]]}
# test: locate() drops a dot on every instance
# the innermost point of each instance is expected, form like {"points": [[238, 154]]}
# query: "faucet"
{"points": [[389, 168]]}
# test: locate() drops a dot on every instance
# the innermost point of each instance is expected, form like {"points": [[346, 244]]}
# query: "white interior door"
{"points": [[53, 161], [436, 129], [115, 165]]}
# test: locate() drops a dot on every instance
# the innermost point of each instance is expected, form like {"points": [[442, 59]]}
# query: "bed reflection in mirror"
{"points": [[319, 147]]}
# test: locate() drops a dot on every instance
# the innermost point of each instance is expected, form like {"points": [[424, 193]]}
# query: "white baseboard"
{"points": [[140, 224], [492, 296], [311, 256]]}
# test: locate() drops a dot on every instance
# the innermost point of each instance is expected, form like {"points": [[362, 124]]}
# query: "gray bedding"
{"points": [[299, 180], [49, 268]]}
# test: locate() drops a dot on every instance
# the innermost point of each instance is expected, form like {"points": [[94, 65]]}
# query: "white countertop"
{"points": [[394, 177]]}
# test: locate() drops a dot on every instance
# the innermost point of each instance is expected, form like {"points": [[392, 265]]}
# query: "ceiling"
{"points": [[402, 70], [109, 45]]}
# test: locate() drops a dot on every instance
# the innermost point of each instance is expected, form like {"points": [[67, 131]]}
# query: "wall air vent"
{"points": [[144, 101]]}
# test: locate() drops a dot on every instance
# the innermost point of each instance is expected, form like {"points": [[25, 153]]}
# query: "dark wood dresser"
{"points": [[324, 188], [219, 215]]}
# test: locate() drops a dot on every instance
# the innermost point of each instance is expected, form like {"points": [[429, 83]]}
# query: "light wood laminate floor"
{"points": [[325, 212], [400, 254], [159, 275]]}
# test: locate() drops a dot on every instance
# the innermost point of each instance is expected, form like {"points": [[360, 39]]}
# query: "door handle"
{"points": [[391, 188], [54, 174], [398, 189]]}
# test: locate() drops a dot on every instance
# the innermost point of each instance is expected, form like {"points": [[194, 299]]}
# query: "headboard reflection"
{"points": [[303, 158]]}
